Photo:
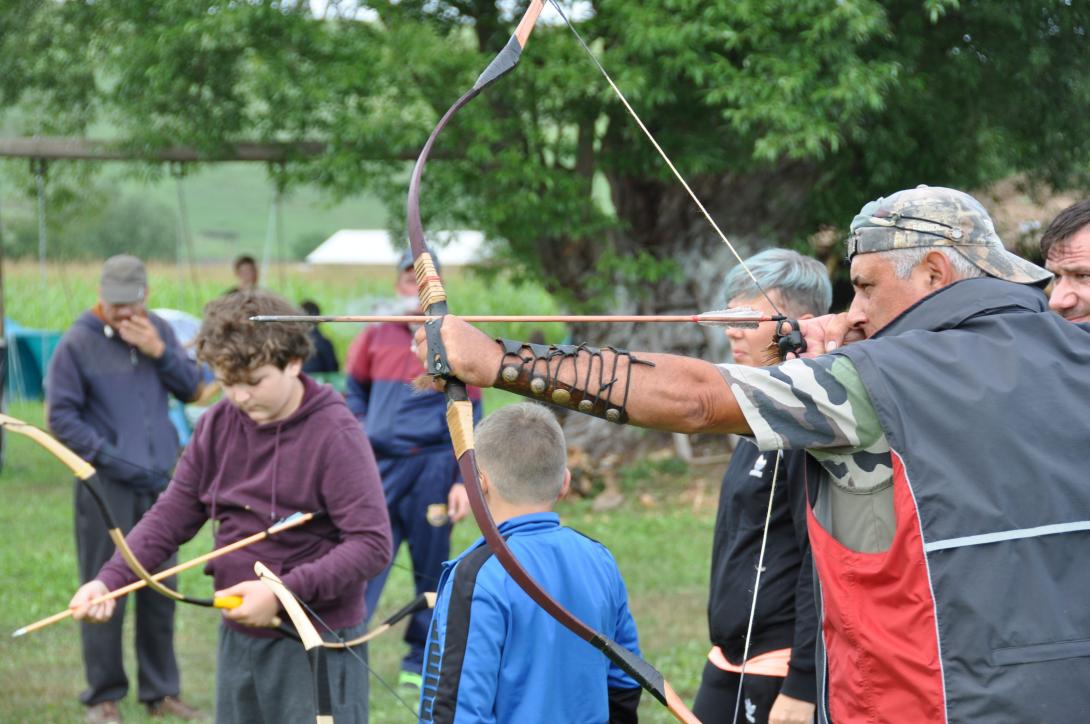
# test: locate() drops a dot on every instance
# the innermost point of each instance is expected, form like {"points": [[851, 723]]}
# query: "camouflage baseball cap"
{"points": [[937, 216]]}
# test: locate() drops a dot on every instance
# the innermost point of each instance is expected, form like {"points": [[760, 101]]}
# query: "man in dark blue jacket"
{"points": [[407, 429], [107, 395]]}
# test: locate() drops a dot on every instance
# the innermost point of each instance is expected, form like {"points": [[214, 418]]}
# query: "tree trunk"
{"points": [[756, 211]]}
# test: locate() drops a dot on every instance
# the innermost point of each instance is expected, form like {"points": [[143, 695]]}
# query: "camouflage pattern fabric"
{"points": [[818, 404], [937, 216]]}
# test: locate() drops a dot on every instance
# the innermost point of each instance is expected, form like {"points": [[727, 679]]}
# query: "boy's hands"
{"points": [[259, 604], [80, 603], [457, 502]]}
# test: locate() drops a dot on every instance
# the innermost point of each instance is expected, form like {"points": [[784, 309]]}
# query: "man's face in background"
{"points": [[1069, 260]]}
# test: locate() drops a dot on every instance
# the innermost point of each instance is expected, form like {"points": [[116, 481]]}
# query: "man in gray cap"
{"points": [[951, 519], [106, 392]]}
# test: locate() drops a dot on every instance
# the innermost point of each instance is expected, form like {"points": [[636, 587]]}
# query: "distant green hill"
{"points": [[229, 209], [228, 206]]}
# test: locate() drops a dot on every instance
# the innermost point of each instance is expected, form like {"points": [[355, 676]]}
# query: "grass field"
{"points": [[661, 538]]}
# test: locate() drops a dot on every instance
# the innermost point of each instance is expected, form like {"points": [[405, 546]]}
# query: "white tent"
{"points": [[374, 247]]}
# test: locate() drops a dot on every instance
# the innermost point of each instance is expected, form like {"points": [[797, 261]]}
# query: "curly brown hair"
{"points": [[235, 346]]}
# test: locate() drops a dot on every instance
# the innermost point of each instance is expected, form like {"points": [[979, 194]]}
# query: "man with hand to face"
{"points": [[1065, 246], [107, 395]]}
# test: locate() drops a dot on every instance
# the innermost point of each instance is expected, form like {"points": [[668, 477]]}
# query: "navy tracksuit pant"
{"points": [[413, 485]]}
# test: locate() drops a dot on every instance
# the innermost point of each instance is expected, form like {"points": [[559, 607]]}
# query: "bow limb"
{"points": [[312, 642], [433, 299], [420, 603], [87, 475]]}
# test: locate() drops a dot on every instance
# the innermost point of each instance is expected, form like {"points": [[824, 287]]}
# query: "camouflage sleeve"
{"points": [[814, 403]]}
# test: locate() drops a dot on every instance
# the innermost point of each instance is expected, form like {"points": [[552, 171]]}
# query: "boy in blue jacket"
{"points": [[493, 655]]}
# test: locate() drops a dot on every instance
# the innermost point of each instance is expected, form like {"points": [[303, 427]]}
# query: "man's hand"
{"points": [[259, 604], [473, 356], [80, 603], [787, 710], [142, 334], [826, 333], [457, 503]]}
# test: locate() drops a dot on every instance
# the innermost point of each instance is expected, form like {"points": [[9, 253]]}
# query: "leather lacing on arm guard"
{"points": [[591, 380]]}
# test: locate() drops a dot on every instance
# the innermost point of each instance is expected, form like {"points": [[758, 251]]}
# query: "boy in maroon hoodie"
{"points": [[276, 444]]}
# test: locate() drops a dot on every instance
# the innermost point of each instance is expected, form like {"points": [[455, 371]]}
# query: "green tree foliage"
{"points": [[96, 226], [785, 115]]}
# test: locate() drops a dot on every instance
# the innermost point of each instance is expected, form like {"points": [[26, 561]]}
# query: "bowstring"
{"points": [[665, 158], [757, 585], [340, 639], [711, 221]]}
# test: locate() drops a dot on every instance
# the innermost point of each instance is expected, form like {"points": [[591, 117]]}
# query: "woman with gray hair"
{"points": [[779, 680]]}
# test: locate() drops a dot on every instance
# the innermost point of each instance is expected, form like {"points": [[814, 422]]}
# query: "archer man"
{"points": [[952, 515]]}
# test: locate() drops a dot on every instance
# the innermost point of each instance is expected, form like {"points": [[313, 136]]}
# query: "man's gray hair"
{"points": [[905, 260], [521, 448], [801, 281]]}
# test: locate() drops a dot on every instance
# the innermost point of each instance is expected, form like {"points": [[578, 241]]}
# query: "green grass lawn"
{"points": [[661, 539]]}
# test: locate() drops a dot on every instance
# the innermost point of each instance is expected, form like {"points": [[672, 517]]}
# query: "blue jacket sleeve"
{"points": [[627, 636]]}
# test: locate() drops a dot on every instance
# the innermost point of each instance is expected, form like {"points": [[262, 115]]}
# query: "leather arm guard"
{"points": [[591, 380]]}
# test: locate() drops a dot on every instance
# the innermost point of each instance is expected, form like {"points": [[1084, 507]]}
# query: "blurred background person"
{"points": [[324, 357], [107, 393], [408, 432]]}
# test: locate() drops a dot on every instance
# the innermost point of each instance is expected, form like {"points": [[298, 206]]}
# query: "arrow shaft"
{"points": [[125, 590], [534, 318]]}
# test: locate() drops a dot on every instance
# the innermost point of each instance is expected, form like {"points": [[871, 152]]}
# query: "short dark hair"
{"points": [[522, 450], [244, 259], [1066, 224], [235, 346], [309, 306]]}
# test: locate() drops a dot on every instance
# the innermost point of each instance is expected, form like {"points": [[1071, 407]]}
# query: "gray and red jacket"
{"points": [[980, 609]]}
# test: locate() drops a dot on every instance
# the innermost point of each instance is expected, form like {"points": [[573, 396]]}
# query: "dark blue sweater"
{"points": [[108, 402]]}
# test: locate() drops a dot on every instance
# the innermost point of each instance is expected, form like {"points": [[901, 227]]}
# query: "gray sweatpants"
{"points": [[268, 681]]}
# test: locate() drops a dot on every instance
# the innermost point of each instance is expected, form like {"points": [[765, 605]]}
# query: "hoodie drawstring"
{"points": [[276, 471]]}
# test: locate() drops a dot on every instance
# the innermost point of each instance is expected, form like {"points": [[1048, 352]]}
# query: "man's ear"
{"points": [[293, 367], [940, 272], [565, 487], [486, 484]]}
